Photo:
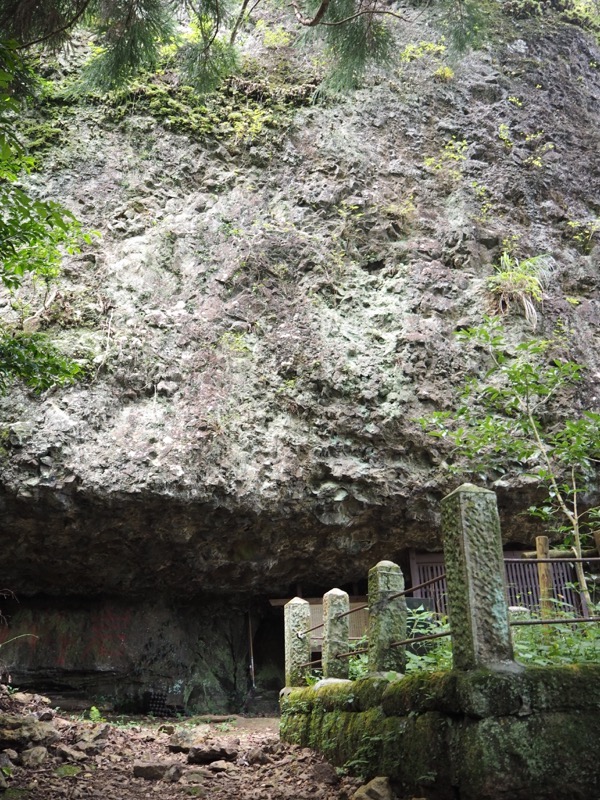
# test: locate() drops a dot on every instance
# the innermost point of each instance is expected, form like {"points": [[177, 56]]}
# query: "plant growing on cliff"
{"points": [[519, 281], [522, 416], [33, 236]]}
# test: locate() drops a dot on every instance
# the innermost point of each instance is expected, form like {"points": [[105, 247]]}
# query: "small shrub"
{"points": [[520, 281], [94, 715], [583, 234], [444, 74]]}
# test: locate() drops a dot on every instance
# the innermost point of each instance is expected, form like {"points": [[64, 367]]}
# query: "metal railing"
{"points": [[442, 634], [359, 650]]}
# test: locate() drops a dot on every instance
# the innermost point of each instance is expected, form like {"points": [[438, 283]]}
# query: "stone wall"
{"points": [[477, 735], [191, 655]]}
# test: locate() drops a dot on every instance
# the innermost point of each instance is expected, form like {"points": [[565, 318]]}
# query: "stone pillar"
{"points": [[335, 633], [297, 648], [477, 605], [387, 618]]}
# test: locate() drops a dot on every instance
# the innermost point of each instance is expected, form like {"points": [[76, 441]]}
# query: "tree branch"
{"points": [[240, 19], [317, 19], [310, 23], [58, 31]]}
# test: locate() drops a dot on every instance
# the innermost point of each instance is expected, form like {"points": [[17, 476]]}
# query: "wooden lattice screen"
{"points": [[521, 579]]}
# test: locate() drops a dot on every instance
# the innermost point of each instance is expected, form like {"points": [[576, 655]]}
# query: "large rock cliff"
{"points": [[272, 305]]}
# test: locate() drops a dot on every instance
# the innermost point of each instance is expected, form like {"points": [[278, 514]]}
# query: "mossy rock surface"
{"points": [[490, 736], [555, 755], [484, 693]]}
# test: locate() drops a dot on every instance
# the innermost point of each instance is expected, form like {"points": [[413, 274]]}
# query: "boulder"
{"points": [[377, 789], [209, 753]]}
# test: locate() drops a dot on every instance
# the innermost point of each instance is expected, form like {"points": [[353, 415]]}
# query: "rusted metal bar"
{"points": [[419, 586], [352, 611], [398, 594], [350, 638], [566, 621], [423, 638], [310, 663], [302, 634], [439, 578], [353, 652]]}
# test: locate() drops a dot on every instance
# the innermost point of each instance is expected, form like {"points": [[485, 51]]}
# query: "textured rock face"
{"points": [[267, 319]]}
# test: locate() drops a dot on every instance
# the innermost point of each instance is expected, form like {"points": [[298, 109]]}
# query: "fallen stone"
{"points": [[69, 754], [41, 698], [197, 775], [22, 697], [34, 757], [150, 770], [5, 761], [183, 740], [168, 729], [206, 754], [222, 766], [95, 733], [18, 733], [377, 789], [325, 773], [91, 748], [3, 783], [173, 774], [257, 756]]}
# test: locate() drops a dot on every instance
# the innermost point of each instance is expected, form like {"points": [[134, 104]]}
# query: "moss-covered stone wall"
{"points": [[459, 735]]}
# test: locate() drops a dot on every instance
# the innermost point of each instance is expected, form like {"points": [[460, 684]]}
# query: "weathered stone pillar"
{"points": [[477, 605], [297, 648], [387, 618], [335, 633]]}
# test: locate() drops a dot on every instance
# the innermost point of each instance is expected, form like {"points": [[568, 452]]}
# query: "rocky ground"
{"points": [[45, 755]]}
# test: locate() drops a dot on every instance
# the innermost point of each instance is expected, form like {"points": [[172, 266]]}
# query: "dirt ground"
{"points": [[60, 757]]}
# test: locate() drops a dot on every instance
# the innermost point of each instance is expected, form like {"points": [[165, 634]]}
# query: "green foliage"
{"points": [[416, 51], [535, 645], [205, 58], [34, 234], [94, 715], [444, 74], [504, 135], [449, 160], [546, 645], [520, 281], [583, 234], [512, 419], [132, 35], [274, 37], [503, 413], [354, 45], [32, 358], [67, 770], [246, 109]]}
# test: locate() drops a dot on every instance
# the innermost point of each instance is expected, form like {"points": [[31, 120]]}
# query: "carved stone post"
{"points": [[297, 648], [387, 618], [335, 633], [477, 604]]}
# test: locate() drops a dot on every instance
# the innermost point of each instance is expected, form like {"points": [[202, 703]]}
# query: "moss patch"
{"points": [[490, 735], [67, 770]]}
